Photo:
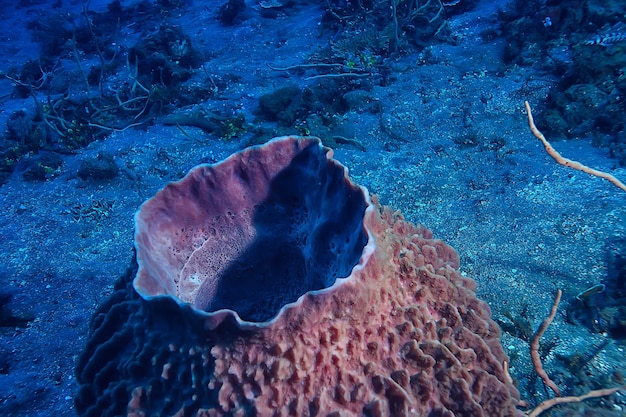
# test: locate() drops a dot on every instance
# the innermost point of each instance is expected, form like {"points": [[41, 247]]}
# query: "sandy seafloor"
{"points": [[523, 225]]}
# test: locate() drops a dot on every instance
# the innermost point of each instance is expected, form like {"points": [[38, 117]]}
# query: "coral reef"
{"points": [[371, 316], [581, 43], [105, 83]]}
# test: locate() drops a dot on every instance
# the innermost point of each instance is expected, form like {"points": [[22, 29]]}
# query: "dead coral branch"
{"points": [[568, 162]]}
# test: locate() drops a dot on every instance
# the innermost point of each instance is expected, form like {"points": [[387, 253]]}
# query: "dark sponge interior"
{"points": [[309, 232]]}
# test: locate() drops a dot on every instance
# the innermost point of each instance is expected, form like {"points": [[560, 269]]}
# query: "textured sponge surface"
{"points": [[403, 335]]}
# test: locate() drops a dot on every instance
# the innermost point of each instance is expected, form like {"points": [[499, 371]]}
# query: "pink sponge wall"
{"points": [[405, 336], [387, 326]]}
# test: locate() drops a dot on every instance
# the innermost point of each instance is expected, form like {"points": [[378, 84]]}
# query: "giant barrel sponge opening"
{"points": [[269, 284], [252, 234]]}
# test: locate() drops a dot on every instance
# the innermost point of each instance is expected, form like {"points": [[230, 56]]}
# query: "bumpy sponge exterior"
{"points": [[402, 335]]}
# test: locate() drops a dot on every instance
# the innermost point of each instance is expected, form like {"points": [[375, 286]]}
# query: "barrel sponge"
{"points": [[350, 310]]}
